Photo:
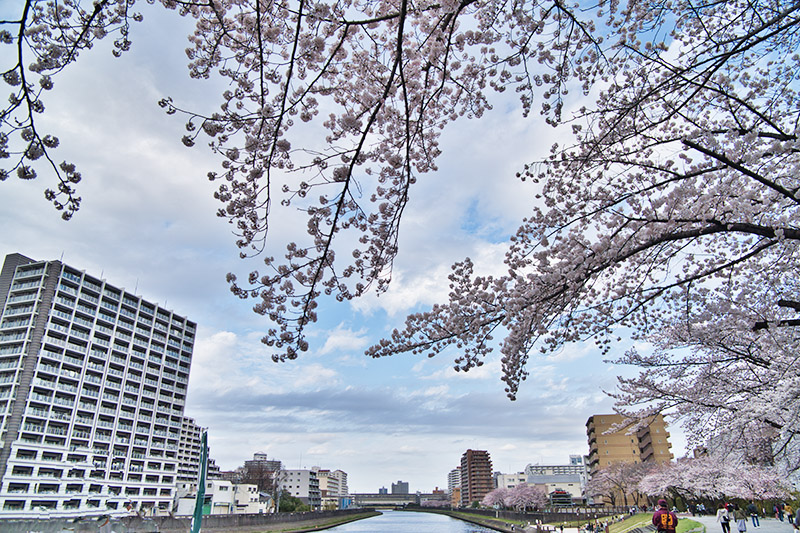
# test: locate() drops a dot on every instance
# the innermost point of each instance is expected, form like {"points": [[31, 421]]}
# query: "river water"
{"points": [[410, 522]]}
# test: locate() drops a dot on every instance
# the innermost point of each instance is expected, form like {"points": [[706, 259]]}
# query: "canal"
{"points": [[410, 522]]}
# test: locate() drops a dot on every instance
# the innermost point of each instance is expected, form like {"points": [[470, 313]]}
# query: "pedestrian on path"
{"points": [[724, 518], [741, 519], [753, 510], [665, 520]]}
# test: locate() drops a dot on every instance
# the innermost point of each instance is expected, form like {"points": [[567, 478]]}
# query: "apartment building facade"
{"points": [[189, 449], [648, 444], [454, 480], [476, 476], [341, 478], [302, 484], [93, 385]]}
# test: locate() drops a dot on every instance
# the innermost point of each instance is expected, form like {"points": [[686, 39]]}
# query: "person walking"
{"points": [[797, 519], [741, 519], [665, 520], [789, 515], [753, 510], [724, 518]]}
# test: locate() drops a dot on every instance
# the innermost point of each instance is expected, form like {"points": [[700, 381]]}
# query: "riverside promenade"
{"points": [[768, 525]]}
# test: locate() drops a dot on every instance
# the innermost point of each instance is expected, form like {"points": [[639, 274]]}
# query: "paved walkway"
{"points": [[768, 525]]}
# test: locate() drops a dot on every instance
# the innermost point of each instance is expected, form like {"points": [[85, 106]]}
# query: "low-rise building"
{"points": [[560, 486], [509, 481], [221, 497]]}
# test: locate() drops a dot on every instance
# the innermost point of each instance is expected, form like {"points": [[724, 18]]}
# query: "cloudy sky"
{"points": [[148, 224]]}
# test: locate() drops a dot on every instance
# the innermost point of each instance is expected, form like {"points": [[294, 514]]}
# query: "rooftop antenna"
{"points": [[136, 287]]}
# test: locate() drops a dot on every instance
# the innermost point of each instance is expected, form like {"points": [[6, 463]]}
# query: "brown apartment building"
{"points": [[476, 476], [650, 443]]}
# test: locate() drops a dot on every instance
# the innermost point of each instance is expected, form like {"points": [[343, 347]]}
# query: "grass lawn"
{"points": [[644, 519]]}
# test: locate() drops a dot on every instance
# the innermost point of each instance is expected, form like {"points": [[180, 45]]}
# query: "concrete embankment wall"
{"points": [[166, 524], [549, 517]]}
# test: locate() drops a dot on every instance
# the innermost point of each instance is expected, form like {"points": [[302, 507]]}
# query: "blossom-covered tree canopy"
{"points": [[714, 477], [618, 483], [676, 204], [520, 497], [496, 497]]}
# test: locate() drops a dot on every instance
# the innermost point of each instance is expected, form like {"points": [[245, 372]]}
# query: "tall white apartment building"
{"points": [[454, 480], [189, 449], [92, 390]]}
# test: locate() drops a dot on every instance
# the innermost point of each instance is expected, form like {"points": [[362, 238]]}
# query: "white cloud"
{"points": [[343, 339], [490, 370], [315, 375]]}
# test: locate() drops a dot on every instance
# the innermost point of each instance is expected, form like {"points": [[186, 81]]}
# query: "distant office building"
{"points": [[648, 444], [261, 461], [401, 487], [262, 472], [476, 476], [454, 480], [582, 460], [92, 390], [576, 466], [383, 490]]}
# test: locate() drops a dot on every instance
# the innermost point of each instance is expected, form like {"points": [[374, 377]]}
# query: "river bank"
{"points": [[305, 526], [261, 523]]}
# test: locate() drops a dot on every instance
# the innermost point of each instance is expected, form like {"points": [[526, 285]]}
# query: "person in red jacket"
{"points": [[665, 520]]}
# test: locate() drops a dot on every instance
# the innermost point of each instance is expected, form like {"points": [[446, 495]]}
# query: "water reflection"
{"points": [[409, 522]]}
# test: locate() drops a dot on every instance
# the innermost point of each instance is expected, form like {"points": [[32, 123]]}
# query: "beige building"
{"points": [[606, 447], [328, 488], [650, 443]]}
